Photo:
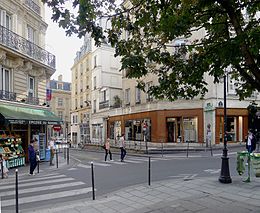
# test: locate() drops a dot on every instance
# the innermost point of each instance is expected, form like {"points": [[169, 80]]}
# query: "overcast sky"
{"points": [[63, 47]]}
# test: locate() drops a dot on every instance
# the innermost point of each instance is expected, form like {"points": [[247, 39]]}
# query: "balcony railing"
{"points": [[21, 45], [33, 6], [6, 95], [32, 100], [103, 104]]}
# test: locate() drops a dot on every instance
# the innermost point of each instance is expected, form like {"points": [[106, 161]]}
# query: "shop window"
{"points": [[231, 128], [112, 131], [136, 130], [190, 129]]}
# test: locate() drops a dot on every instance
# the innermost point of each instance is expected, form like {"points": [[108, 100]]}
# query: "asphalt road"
{"points": [[72, 183]]}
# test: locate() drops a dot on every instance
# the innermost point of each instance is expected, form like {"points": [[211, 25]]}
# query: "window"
{"points": [[148, 95], [5, 20], [95, 61], [31, 34], [137, 95], [231, 88], [31, 85], [60, 102], [76, 103], [95, 82], [60, 114], [60, 86], [94, 106], [103, 95], [127, 96], [5, 79]]}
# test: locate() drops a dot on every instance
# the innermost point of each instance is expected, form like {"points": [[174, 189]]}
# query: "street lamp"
{"points": [[225, 174]]}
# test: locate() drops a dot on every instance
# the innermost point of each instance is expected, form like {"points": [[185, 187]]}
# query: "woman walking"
{"points": [[107, 149]]}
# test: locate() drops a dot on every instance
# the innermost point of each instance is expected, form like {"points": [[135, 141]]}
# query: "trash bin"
{"points": [[241, 161], [256, 163]]}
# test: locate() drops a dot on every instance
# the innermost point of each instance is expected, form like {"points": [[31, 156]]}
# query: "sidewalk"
{"points": [[204, 195]]}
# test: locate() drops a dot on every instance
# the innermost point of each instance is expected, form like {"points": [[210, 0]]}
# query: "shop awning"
{"points": [[23, 115]]}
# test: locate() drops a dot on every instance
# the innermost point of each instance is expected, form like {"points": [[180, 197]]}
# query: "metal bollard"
{"points": [[68, 156], [38, 166], [149, 171], [16, 191], [93, 183], [188, 146], [57, 161], [2, 169], [64, 150]]}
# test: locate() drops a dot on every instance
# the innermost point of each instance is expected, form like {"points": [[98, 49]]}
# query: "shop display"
{"points": [[12, 151]]}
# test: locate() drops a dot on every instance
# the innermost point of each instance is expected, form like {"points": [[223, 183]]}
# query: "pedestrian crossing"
{"points": [[42, 188], [128, 160]]}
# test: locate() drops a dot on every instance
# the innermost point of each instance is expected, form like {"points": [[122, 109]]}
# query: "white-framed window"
{"points": [[148, 96], [231, 88], [60, 86], [60, 102], [30, 34], [95, 61], [5, 19], [137, 95], [76, 103], [127, 96], [95, 82], [60, 114], [103, 95], [95, 106], [5, 79], [31, 86]]}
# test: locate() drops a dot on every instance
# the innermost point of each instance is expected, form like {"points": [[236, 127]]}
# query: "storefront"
{"points": [[18, 125], [170, 126], [237, 125]]}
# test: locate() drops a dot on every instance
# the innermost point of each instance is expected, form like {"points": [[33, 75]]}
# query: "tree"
{"points": [[232, 40]]}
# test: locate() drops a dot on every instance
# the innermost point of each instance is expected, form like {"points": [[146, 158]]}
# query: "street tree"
{"points": [[231, 40]]}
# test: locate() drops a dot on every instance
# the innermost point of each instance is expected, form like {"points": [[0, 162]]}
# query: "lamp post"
{"points": [[225, 174]]}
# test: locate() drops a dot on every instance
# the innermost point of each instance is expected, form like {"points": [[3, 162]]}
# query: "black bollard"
{"points": [[57, 160], [188, 146], [93, 183], [64, 150], [2, 169], [149, 171], [38, 166], [68, 155], [16, 191]]}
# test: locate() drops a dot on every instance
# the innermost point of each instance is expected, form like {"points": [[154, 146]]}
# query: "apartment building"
{"points": [[60, 105], [96, 88], [25, 68]]}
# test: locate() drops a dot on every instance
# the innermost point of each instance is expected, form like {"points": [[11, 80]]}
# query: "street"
{"points": [[71, 183]]}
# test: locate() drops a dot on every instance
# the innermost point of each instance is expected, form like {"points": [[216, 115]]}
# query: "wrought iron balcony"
{"points": [[17, 43], [103, 104], [32, 100], [6, 95], [33, 6]]}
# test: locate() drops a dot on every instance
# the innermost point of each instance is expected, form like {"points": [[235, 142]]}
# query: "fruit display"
{"points": [[12, 150]]}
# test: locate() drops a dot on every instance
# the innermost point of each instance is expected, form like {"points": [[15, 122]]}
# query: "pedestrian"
{"points": [[5, 170], [32, 157], [107, 150], [250, 141], [122, 147], [52, 151]]}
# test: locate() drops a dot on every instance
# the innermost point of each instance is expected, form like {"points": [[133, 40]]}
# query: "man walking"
{"points": [[32, 157], [122, 147]]}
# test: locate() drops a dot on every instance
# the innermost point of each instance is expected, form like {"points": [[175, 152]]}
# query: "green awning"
{"points": [[21, 115]]}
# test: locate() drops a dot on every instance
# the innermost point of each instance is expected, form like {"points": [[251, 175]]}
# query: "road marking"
{"points": [[84, 166], [229, 153], [41, 188], [37, 183], [49, 196], [212, 171], [185, 177], [100, 164]]}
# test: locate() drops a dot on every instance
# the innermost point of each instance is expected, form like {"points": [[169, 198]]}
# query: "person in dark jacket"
{"points": [[32, 157], [250, 141]]}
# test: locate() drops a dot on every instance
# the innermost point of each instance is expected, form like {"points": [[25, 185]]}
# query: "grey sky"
{"points": [[63, 47]]}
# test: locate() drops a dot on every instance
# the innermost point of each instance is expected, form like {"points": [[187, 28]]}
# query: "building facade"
{"points": [[25, 68], [60, 105], [96, 88]]}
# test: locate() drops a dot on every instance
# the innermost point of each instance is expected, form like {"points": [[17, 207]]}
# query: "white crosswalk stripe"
{"points": [[40, 188]]}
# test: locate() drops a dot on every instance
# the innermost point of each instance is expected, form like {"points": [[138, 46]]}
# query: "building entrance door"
{"points": [[171, 130]]}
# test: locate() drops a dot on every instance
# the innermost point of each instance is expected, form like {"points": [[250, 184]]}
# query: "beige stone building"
{"points": [[25, 68], [60, 105]]}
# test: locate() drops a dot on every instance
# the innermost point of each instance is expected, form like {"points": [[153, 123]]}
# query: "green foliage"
{"points": [[231, 39]]}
